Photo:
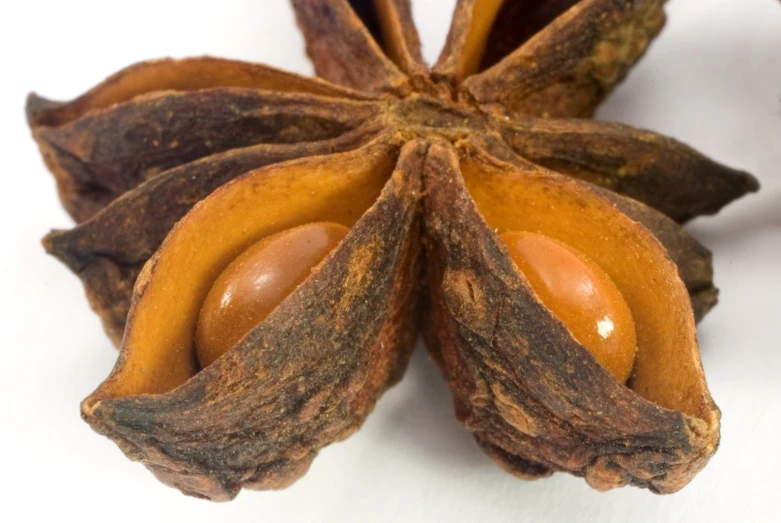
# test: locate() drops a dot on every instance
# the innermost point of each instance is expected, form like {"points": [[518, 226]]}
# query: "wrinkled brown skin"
{"points": [[106, 153], [297, 397], [656, 170], [132, 156], [343, 50], [516, 22], [108, 251], [569, 67], [506, 358]]}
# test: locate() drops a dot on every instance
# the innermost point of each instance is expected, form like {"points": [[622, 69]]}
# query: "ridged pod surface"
{"points": [[174, 168]]}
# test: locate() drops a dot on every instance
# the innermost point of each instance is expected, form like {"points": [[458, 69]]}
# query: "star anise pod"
{"points": [[177, 169]]}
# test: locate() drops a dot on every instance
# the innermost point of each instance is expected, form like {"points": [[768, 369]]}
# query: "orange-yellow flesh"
{"points": [[158, 348], [188, 75], [581, 295], [667, 367], [257, 281], [483, 15]]}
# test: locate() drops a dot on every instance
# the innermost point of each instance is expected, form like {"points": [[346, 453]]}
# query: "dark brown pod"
{"points": [[307, 375], [175, 167], [391, 26], [534, 398], [139, 122], [571, 64], [343, 49], [658, 171], [108, 251]]}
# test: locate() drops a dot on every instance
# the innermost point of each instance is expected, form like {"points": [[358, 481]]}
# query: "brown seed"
{"points": [[581, 295], [257, 281]]}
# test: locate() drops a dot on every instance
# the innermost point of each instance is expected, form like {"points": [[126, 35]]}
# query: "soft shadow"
{"points": [[423, 418], [736, 228]]}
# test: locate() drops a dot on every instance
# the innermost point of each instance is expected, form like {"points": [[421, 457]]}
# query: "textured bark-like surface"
{"points": [[343, 50], [305, 377], [108, 152], [188, 74], [531, 395], [658, 171], [108, 251], [516, 22], [569, 67], [173, 168]]}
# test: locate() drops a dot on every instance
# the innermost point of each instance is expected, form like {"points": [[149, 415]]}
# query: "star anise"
{"points": [[173, 168]]}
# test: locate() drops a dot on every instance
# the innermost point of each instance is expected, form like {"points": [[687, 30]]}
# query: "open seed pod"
{"points": [[536, 400], [178, 170], [309, 373]]}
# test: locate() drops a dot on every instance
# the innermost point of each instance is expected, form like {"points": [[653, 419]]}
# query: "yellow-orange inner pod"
{"points": [[581, 295], [667, 367], [188, 74], [158, 351], [257, 281]]}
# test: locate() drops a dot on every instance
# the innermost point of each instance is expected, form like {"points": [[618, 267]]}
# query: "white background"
{"points": [[713, 80]]}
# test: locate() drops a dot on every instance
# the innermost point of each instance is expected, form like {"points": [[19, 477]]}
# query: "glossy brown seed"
{"points": [[581, 295], [257, 281]]}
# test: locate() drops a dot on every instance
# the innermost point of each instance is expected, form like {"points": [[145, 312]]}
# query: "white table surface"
{"points": [[713, 80]]}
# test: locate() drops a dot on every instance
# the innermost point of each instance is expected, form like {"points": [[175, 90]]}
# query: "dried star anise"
{"points": [[183, 173]]}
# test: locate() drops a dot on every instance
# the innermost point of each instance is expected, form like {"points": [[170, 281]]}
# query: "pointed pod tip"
{"points": [[89, 406], [751, 182], [99, 411], [48, 242], [742, 182], [59, 243], [91, 410], [36, 107], [55, 242]]}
